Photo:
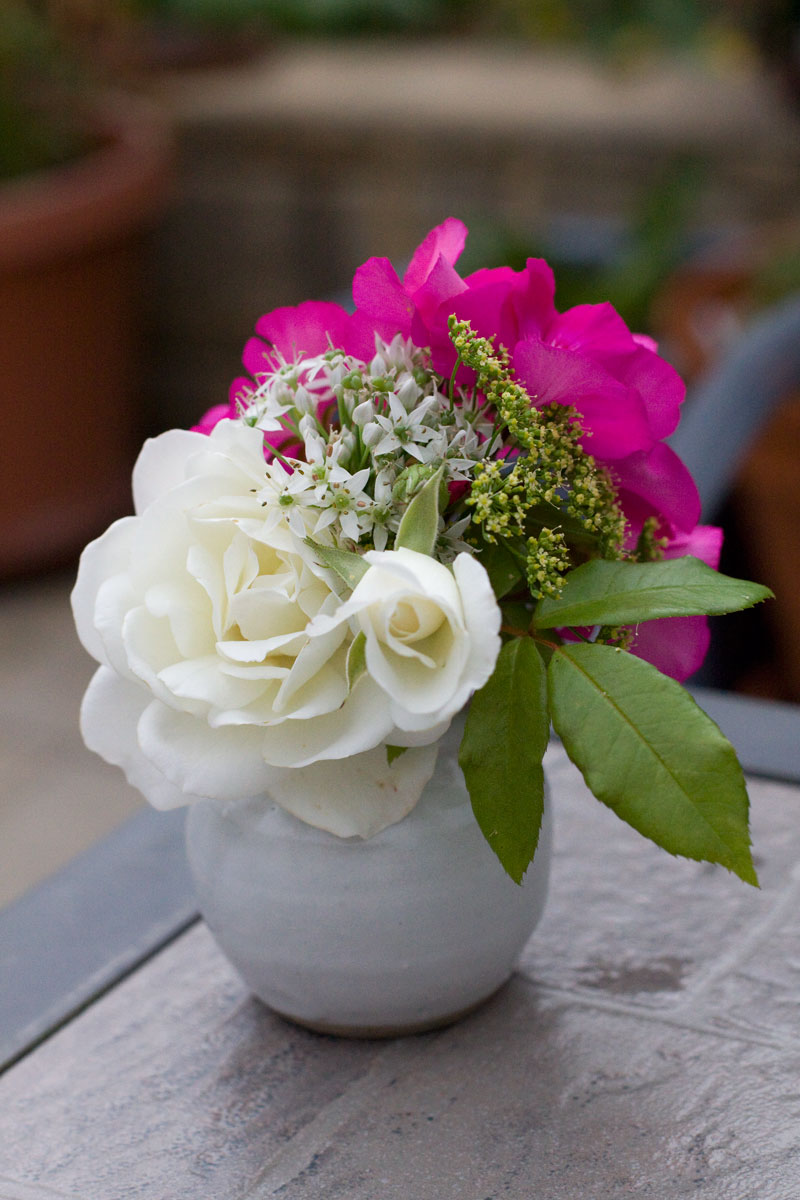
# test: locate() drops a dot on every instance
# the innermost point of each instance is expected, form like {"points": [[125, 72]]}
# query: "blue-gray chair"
{"points": [[723, 416], [726, 409]]}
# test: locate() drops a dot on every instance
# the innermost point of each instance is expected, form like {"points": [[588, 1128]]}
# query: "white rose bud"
{"points": [[432, 635]]}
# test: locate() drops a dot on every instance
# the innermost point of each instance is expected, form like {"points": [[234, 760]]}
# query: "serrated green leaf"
{"points": [[356, 663], [348, 566], [504, 741], [622, 593], [647, 751], [419, 527], [393, 752]]}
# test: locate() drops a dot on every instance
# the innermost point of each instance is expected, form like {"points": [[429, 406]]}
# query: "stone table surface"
{"points": [[648, 1045]]}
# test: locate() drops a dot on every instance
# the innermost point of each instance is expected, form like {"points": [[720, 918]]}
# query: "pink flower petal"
{"points": [[442, 285], [488, 310], [676, 645], [305, 327], [612, 412], [533, 294], [504, 277], [704, 542], [219, 412], [660, 386], [358, 334], [429, 280], [643, 339], [656, 483], [597, 331], [597, 328], [258, 357], [280, 439], [523, 298], [311, 328], [445, 241], [378, 293], [239, 392]]}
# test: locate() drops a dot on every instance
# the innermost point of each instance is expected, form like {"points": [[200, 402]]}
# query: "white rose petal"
{"points": [[358, 796], [106, 558], [363, 721], [222, 765], [161, 464], [110, 715]]}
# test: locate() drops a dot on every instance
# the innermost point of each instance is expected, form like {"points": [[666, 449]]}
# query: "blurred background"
{"points": [[170, 169]]}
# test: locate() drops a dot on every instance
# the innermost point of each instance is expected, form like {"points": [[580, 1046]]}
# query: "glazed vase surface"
{"points": [[402, 932]]}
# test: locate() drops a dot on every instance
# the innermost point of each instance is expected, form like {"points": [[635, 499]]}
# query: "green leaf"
{"points": [[348, 566], [501, 567], [516, 615], [622, 593], [419, 527], [356, 663], [549, 516], [393, 752], [647, 751], [501, 755]]}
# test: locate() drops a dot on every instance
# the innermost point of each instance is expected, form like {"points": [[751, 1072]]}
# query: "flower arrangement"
{"points": [[453, 494]]}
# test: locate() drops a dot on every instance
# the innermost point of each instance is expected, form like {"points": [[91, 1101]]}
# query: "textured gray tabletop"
{"points": [[648, 1046]]}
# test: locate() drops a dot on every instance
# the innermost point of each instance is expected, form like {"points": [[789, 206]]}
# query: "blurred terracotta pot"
{"points": [[70, 242]]}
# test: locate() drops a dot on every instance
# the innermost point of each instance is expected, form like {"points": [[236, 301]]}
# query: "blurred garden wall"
{"points": [[298, 163]]}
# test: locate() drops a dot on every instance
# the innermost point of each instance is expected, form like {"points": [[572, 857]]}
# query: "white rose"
{"points": [[432, 635], [199, 610]]}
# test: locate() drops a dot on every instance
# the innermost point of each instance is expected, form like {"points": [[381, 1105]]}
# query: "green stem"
{"points": [[293, 426], [451, 387], [512, 631], [581, 637], [282, 458]]}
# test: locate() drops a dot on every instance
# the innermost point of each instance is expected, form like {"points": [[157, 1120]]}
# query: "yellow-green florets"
{"points": [[546, 489]]}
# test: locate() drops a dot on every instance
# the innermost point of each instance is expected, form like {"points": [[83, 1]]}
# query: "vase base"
{"points": [[332, 1029]]}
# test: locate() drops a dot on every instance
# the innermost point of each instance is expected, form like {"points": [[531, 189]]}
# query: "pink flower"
{"points": [[311, 328], [628, 397]]}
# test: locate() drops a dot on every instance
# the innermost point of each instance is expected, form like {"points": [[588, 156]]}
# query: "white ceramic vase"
{"points": [[397, 934]]}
